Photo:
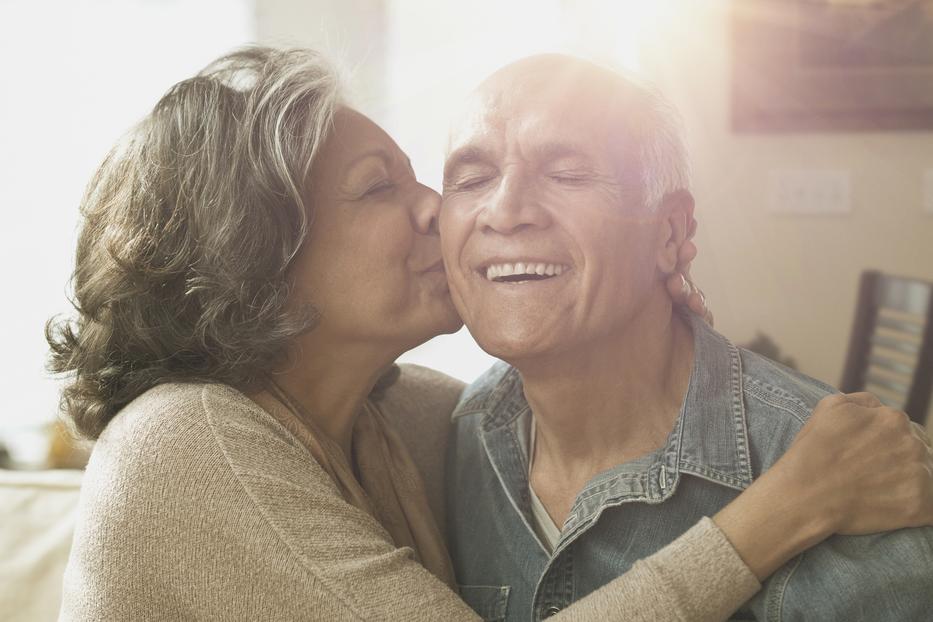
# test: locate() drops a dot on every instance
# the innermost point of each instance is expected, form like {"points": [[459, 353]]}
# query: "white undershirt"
{"points": [[544, 526]]}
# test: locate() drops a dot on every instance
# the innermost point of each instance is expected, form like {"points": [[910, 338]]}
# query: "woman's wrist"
{"points": [[772, 522]]}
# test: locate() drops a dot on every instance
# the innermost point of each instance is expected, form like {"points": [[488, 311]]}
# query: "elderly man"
{"points": [[617, 423]]}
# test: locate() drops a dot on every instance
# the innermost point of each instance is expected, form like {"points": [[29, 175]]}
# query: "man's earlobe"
{"points": [[676, 211]]}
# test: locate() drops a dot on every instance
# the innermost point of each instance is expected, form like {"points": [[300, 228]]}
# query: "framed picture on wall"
{"points": [[832, 65]]}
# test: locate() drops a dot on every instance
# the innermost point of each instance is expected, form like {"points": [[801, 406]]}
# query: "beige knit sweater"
{"points": [[197, 505]]}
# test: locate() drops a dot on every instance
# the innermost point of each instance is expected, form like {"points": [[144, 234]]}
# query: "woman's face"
{"points": [[372, 264]]}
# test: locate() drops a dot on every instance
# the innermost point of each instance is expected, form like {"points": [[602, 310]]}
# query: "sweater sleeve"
{"points": [[221, 514], [699, 577]]}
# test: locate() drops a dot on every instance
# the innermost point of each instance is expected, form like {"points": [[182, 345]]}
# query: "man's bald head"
{"points": [[642, 127], [551, 74]]}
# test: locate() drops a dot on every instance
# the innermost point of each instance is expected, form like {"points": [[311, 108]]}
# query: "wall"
{"points": [[792, 276]]}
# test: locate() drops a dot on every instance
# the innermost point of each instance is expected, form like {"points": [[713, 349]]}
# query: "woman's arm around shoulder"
{"points": [[204, 507]]}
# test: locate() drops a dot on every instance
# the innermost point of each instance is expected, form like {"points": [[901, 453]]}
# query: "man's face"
{"points": [[545, 248]]}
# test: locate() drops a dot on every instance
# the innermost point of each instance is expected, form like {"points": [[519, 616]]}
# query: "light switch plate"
{"points": [[811, 191], [928, 191]]}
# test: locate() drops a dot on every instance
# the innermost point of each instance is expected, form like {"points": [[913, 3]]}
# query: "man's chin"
{"points": [[515, 345]]}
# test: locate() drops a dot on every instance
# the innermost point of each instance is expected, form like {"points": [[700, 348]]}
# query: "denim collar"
{"points": [[709, 439]]}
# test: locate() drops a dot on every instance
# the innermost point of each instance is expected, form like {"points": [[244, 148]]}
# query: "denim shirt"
{"points": [[740, 413]]}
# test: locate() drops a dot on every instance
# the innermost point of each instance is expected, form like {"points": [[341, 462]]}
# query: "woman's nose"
{"points": [[426, 208]]}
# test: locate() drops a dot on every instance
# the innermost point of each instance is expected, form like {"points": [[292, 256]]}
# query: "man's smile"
{"points": [[519, 271]]}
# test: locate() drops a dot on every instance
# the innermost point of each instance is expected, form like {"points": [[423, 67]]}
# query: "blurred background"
{"points": [[809, 123]]}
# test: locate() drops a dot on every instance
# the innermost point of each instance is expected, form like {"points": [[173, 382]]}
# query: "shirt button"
{"points": [[552, 610]]}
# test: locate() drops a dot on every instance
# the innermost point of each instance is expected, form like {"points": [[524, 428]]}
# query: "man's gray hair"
{"points": [[665, 166], [653, 136]]}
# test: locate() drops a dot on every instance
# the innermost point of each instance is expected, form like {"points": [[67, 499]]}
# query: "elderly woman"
{"points": [[255, 256]]}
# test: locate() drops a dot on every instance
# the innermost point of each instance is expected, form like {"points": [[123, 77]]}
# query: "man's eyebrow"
{"points": [[469, 154]]}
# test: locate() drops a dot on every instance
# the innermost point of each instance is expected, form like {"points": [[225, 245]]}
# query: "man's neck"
{"points": [[609, 402]]}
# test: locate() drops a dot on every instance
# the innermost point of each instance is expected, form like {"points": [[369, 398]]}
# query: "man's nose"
{"points": [[512, 207], [426, 207]]}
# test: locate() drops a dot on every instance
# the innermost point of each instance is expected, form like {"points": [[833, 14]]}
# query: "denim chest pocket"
{"points": [[490, 602]]}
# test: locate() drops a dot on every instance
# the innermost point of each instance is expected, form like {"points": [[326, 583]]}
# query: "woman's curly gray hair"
{"points": [[189, 226]]}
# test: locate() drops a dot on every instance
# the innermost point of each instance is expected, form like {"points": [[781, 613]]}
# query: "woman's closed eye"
{"points": [[377, 188]]}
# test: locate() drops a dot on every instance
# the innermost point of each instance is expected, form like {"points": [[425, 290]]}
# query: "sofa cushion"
{"points": [[37, 511]]}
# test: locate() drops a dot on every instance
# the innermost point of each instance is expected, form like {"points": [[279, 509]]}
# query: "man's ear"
{"points": [[676, 215]]}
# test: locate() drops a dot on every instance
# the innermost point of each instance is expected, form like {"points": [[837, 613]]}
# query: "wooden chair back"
{"points": [[891, 346]]}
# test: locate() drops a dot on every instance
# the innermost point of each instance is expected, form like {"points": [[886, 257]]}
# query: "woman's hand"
{"points": [[856, 467], [875, 467], [681, 287]]}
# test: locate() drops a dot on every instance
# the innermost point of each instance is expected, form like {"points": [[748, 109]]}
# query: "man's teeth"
{"points": [[502, 270]]}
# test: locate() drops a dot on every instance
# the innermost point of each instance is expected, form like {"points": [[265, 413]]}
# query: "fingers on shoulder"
{"points": [[862, 398]]}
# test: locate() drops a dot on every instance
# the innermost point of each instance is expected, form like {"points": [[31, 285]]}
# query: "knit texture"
{"points": [[198, 505]]}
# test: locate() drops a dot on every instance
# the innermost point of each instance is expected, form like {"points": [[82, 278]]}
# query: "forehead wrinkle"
{"points": [[549, 150], [537, 106], [477, 123]]}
